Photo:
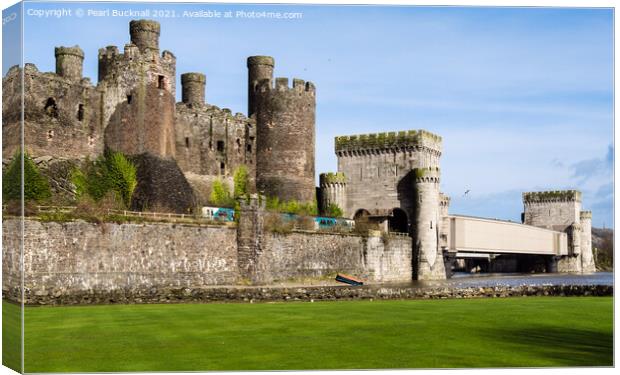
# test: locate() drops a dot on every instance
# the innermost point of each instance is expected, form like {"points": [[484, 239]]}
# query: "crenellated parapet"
{"points": [[281, 86], [332, 178], [444, 200], [411, 140], [427, 175], [585, 215], [552, 196]]}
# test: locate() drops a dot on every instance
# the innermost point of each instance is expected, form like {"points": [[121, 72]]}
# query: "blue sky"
{"points": [[523, 97]]}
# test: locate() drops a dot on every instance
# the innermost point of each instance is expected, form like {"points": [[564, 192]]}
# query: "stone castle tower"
{"points": [[138, 90], [561, 211], [285, 132]]}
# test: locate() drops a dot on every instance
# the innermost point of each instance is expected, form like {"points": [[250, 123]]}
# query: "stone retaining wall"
{"points": [[312, 293], [81, 262], [73, 258]]}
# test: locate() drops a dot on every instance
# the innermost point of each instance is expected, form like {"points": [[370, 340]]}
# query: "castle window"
{"points": [[187, 142], [249, 147], [50, 107], [80, 113], [160, 82], [50, 135], [222, 168], [238, 145], [220, 146], [129, 97]]}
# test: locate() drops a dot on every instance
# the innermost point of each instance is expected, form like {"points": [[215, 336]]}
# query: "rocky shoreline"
{"points": [[240, 294]]}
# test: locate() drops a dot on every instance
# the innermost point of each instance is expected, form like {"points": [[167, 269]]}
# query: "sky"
{"points": [[523, 97]]}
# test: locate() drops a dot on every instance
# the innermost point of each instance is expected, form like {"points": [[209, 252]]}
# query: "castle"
{"points": [[390, 179]]}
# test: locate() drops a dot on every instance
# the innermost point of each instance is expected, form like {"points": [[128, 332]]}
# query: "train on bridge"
{"points": [[225, 214]]}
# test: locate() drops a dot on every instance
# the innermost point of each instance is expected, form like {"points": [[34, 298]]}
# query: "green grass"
{"points": [[11, 332], [512, 332]]}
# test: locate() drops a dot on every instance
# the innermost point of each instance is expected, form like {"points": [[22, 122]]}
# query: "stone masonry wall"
{"points": [[61, 116], [304, 254], [214, 142], [80, 262], [81, 258]]}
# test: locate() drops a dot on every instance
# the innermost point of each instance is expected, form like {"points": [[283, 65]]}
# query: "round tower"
{"points": [[259, 68], [145, 35], [285, 138], [333, 187], [427, 252], [587, 257], [69, 62], [193, 91]]}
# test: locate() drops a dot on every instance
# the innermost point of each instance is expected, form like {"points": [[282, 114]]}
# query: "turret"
{"points": [[145, 35], [587, 257], [333, 190], [285, 137], [426, 225], [444, 224], [193, 91], [259, 68], [69, 62]]}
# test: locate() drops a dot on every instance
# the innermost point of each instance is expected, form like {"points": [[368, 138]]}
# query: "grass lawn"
{"points": [[507, 332]]}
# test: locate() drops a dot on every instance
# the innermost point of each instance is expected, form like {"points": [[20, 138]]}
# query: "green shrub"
{"points": [[122, 176], [332, 210], [36, 186], [112, 172], [292, 207], [220, 195]]}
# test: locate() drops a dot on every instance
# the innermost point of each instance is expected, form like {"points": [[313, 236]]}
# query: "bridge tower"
{"points": [[426, 226], [560, 210], [587, 257]]}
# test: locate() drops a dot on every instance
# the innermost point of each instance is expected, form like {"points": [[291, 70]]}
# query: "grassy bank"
{"points": [[538, 331]]}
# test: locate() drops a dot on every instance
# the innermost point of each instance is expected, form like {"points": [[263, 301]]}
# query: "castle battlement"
{"points": [[585, 215], [389, 141], [281, 84], [551, 196], [31, 71], [209, 110], [332, 178], [444, 200], [428, 175]]}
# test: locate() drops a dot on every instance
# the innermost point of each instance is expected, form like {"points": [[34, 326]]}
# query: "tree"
{"points": [[241, 181], [112, 172], [36, 186]]}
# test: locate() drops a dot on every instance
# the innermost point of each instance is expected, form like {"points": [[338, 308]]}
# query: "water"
{"points": [[465, 280]]}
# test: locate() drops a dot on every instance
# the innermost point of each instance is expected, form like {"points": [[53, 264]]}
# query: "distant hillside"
{"points": [[603, 242]]}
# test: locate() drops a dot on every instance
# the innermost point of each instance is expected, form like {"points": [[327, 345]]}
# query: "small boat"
{"points": [[348, 279]]}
